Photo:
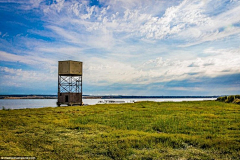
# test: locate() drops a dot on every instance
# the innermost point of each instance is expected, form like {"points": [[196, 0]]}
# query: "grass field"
{"points": [[144, 130]]}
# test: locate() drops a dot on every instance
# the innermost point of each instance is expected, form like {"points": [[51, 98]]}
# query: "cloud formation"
{"points": [[130, 43]]}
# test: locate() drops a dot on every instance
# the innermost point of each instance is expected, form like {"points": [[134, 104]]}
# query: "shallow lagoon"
{"points": [[39, 103]]}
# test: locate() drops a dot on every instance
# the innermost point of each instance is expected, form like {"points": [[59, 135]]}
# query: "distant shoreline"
{"points": [[28, 97], [96, 97]]}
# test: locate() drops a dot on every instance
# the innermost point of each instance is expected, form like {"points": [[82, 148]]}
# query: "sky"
{"points": [[128, 47]]}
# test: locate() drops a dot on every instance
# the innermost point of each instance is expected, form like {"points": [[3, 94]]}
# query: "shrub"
{"points": [[230, 99], [222, 99], [237, 101], [237, 96], [4, 108]]}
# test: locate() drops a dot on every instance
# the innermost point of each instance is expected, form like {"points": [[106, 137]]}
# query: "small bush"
{"points": [[237, 96], [230, 99], [5, 109], [222, 99], [236, 101]]}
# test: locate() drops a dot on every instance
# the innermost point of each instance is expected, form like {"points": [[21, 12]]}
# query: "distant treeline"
{"points": [[28, 97], [230, 99]]}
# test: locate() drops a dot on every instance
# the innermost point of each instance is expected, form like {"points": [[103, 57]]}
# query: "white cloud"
{"points": [[188, 19], [69, 36], [25, 78], [99, 21], [65, 50], [27, 59], [31, 60], [185, 88], [25, 4], [99, 71], [16, 58], [105, 27], [175, 20], [219, 62], [56, 6], [213, 36], [219, 26], [5, 35]]}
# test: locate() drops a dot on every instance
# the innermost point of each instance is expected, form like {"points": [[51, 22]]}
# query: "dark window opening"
{"points": [[66, 98]]}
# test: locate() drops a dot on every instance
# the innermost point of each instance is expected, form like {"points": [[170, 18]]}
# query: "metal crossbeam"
{"points": [[70, 84]]}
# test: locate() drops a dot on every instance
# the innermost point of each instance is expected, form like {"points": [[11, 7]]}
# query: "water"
{"points": [[40, 103], [27, 103]]}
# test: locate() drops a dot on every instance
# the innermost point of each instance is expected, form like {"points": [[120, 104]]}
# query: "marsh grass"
{"points": [[144, 130]]}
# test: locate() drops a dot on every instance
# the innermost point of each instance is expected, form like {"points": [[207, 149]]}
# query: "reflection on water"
{"points": [[39, 103]]}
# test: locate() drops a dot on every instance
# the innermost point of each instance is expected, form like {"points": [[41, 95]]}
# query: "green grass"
{"points": [[145, 130]]}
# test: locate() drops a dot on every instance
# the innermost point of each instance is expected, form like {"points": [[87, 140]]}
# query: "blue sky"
{"points": [[128, 47]]}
